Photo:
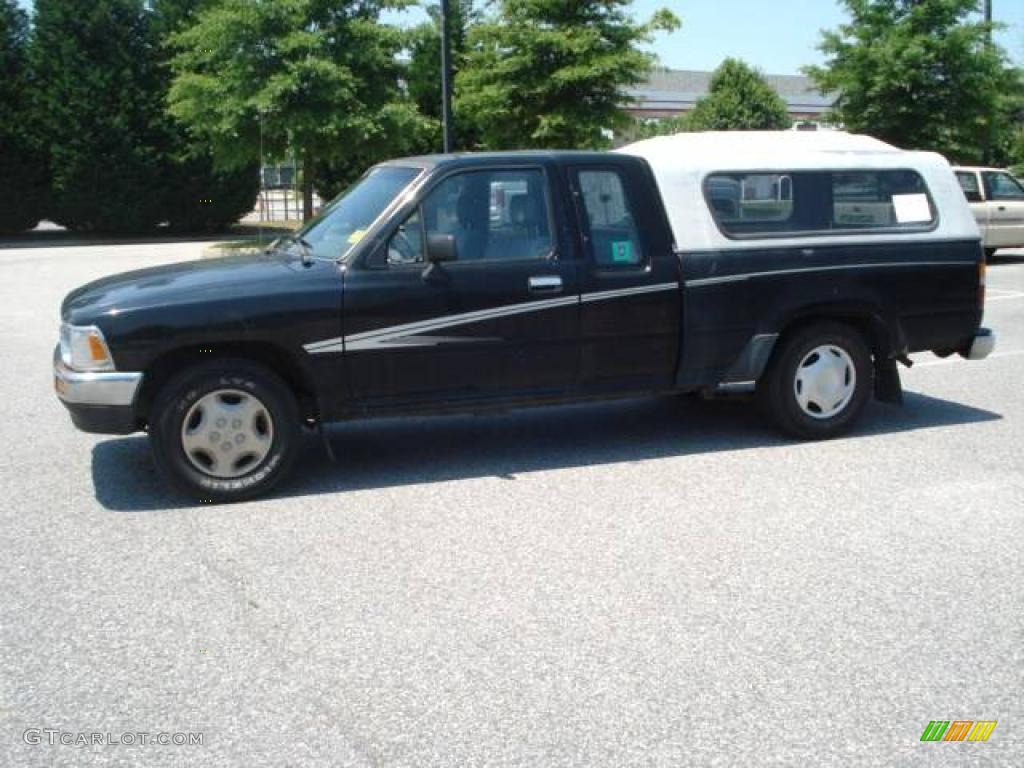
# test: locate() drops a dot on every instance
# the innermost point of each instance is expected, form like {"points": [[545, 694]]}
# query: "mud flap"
{"points": [[888, 388]]}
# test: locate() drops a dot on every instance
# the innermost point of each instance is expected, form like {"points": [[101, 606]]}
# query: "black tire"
{"points": [[777, 388], [175, 402]]}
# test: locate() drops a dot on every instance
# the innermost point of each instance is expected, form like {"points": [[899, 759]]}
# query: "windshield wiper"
{"points": [[305, 249]]}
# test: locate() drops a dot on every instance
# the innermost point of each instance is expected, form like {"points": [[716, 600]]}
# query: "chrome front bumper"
{"points": [[982, 345], [111, 388]]}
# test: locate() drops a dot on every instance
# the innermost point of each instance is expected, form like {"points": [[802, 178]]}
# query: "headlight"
{"points": [[83, 348]]}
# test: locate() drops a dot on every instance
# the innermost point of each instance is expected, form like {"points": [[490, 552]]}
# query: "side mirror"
{"points": [[441, 248]]}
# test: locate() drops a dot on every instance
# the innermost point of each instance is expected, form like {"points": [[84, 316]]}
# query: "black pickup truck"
{"points": [[796, 268]]}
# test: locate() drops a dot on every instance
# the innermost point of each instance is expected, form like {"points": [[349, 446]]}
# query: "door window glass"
{"points": [[493, 216], [969, 184], [1002, 186], [614, 239], [406, 245]]}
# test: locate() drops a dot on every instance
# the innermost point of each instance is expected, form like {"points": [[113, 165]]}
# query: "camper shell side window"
{"points": [[805, 203]]}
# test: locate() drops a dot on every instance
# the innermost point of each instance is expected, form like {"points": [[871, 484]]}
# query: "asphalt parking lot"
{"points": [[649, 582]]}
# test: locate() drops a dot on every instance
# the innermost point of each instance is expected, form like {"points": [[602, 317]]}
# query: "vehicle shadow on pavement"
{"points": [[384, 453]]}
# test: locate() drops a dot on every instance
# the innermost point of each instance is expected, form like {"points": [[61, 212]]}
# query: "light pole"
{"points": [[446, 78], [987, 155], [263, 193]]}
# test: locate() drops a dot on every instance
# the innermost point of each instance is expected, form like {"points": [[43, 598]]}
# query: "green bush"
{"points": [[200, 199], [99, 98], [23, 174], [120, 163], [23, 188]]}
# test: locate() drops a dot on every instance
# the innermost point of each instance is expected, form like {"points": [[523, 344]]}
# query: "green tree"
{"points": [[320, 77], [1016, 150], [920, 74], [119, 162], [23, 172], [646, 129], [423, 74], [197, 195], [553, 73], [739, 99], [97, 90]]}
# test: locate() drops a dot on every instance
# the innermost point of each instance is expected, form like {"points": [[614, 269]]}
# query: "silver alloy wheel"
{"points": [[825, 381], [227, 433]]}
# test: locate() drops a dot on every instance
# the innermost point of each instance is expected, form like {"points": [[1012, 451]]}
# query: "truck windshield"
{"points": [[345, 220]]}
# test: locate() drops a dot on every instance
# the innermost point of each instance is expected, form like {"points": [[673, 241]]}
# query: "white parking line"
{"points": [[1003, 295]]}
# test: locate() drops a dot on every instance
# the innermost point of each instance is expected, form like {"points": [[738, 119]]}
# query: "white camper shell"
{"points": [[684, 164]]}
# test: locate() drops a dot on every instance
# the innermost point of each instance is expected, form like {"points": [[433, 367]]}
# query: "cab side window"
{"points": [[613, 238], [1002, 186], [499, 215]]}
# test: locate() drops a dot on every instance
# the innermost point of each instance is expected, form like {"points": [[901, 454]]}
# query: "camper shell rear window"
{"points": [[805, 203]]}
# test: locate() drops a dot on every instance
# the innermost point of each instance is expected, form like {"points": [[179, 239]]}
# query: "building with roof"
{"points": [[672, 92]]}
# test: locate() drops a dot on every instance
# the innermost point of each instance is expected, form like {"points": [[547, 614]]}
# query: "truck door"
{"points": [[970, 183], [631, 302], [1006, 210], [500, 320]]}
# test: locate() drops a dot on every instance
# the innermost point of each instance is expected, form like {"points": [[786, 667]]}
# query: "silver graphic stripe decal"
{"points": [[602, 295], [801, 270], [400, 335]]}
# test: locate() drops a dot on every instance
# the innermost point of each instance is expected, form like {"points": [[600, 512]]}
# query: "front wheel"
{"points": [[818, 381], [225, 430]]}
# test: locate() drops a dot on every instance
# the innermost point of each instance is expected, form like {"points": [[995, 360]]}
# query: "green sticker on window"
{"points": [[622, 252]]}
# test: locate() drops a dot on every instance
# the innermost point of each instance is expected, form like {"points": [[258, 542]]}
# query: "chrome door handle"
{"points": [[546, 284]]}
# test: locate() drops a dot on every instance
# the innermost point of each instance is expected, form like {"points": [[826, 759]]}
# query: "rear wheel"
{"points": [[818, 381], [225, 430]]}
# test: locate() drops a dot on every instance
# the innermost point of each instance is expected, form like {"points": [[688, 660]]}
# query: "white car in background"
{"points": [[997, 201]]}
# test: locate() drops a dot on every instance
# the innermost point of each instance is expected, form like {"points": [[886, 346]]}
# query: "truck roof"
{"points": [[982, 168], [485, 158], [755, 150]]}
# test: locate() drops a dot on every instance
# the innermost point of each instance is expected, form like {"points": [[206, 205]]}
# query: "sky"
{"points": [[777, 36]]}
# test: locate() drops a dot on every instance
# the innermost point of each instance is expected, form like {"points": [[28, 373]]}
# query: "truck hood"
{"points": [[183, 283]]}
